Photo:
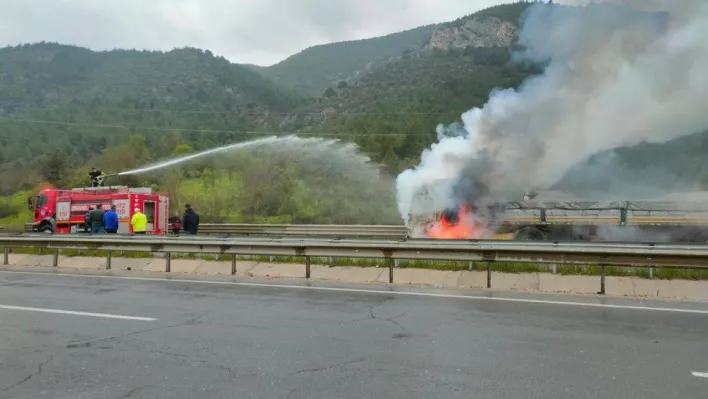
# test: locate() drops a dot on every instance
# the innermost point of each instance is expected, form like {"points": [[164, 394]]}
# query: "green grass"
{"points": [[13, 211], [502, 267]]}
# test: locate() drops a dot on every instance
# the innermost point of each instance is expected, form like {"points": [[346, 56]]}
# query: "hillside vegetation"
{"points": [[392, 111], [64, 109], [50, 74], [317, 68]]}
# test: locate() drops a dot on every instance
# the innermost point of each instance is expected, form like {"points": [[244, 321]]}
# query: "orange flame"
{"points": [[446, 230]]}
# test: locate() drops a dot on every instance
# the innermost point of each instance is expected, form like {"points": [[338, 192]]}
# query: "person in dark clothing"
{"points": [[87, 220], [96, 216], [190, 220], [110, 220], [96, 177]]}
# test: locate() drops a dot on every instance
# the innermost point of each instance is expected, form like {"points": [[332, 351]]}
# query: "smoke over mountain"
{"points": [[614, 77]]}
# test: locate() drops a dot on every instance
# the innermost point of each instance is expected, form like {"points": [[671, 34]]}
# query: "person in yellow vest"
{"points": [[139, 222]]}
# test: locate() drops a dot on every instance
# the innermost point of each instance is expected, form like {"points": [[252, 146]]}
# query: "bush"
{"points": [[6, 209]]}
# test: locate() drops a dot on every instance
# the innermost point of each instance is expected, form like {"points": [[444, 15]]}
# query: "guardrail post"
{"points": [[55, 257], [651, 272], [108, 260], [489, 274], [602, 280], [233, 264], [168, 261], [391, 264], [307, 267], [6, 257]]}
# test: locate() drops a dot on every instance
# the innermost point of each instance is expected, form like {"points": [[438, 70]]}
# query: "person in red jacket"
{"points": [[175, 223]]}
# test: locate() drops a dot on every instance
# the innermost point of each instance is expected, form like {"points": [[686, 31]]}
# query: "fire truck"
{"points": [[62, 211]]}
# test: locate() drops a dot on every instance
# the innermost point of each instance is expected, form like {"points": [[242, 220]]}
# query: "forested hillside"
{"points": [[315, 69], [50, 74], [64, 109], [392, 111], [57, 93]]}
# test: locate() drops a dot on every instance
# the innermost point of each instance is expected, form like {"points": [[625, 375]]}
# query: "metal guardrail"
{"points": [[301, 230], [603, 254], [306, 230]]}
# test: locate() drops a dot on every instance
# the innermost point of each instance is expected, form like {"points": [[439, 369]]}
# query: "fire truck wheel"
{"points": [[46, 229]]}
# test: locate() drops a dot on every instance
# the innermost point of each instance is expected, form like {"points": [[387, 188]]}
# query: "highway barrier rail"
{"points": [[299, 230], [693, 256], [306, 230]]}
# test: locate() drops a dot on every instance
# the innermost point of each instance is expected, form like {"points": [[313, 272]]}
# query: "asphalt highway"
{"points": [[78, 336]]}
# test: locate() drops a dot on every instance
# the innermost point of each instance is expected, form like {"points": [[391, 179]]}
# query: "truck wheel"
{"points": [[46, 230], [529, 234]]}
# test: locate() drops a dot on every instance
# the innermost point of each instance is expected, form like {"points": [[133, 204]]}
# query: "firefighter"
{"points": [[97, 177]]}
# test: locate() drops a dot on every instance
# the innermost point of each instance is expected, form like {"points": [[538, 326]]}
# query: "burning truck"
{"points": [[559, 216]]}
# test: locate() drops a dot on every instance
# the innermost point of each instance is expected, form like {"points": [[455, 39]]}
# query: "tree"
{"points": [[330, 92], [53, 168]]}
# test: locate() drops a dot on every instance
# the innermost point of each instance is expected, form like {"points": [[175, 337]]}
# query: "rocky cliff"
{"points": [[474, 32]]}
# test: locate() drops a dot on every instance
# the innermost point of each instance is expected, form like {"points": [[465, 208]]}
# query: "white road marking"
{"points": [[71, 312], [699, 374], [372, 291]]}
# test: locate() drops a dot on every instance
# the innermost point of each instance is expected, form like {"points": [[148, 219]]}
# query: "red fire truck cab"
{"points": [[62, 211]]}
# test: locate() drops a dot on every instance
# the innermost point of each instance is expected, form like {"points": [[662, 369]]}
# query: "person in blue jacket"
{"points": [[110, 220]]}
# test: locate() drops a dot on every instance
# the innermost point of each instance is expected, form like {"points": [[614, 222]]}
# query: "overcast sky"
{"points": [[248, 31]]}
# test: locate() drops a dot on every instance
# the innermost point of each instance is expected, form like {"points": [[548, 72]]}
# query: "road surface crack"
{"points": [[88, 343], [232, 372], [391, 319], [40, 368], [133, 391], [332, 366], [634, 286]]}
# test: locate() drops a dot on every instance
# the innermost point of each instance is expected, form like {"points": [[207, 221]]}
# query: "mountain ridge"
{"points": [[341, 61]]}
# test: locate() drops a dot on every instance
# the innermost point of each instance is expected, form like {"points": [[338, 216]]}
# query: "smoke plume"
{"points": [[614, 76]]}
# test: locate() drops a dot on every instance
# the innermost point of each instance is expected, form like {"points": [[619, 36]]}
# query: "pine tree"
{"points": [[54, 168]]}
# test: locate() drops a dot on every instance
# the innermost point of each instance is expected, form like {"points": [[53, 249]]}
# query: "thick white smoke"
{"points": [[614, 77]]}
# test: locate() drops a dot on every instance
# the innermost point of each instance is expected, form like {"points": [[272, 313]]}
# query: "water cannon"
{"points": [[101, 178]]}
